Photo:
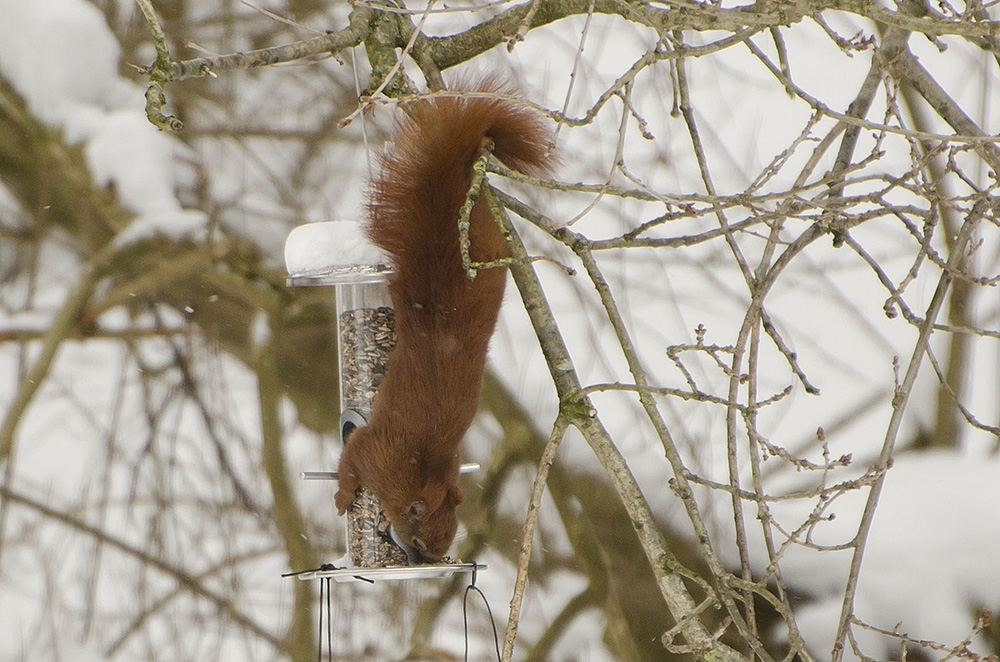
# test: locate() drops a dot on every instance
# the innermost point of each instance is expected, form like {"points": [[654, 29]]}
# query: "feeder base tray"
{"points": [[393, 572]]}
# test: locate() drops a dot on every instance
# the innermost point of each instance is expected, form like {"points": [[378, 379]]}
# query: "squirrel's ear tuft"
{"points": [[416, 509], [433, 495]]}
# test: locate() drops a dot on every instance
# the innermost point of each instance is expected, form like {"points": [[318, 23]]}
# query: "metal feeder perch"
{"points": [[338, 254]]}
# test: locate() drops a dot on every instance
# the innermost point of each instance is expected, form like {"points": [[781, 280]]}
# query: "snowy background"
{"points": [[144, 515]]}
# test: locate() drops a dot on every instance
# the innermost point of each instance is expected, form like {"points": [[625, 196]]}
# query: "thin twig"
{"points": [[899, 402], [528, 533]]}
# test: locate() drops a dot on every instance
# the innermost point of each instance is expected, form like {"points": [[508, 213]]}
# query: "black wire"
{"points": [[465, 615], [329, 623], [319, 652]]}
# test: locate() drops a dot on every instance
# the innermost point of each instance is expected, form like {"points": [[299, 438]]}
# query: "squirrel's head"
{"points": [[428, 523]]}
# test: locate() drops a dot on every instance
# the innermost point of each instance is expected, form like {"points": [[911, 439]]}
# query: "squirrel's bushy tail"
{"points": [[426, 172]]}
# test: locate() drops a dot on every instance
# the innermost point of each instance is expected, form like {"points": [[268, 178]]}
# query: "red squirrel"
{"points": [[408, 454]]}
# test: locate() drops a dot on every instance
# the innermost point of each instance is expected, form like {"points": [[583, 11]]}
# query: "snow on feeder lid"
{"points": [[331, 253]]}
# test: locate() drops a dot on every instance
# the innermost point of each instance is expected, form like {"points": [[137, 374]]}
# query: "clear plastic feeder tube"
{"points": [[366, 333], [365, 336], [337, 253]]}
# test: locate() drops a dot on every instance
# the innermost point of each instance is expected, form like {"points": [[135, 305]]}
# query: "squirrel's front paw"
{"points": [[343, 499]]}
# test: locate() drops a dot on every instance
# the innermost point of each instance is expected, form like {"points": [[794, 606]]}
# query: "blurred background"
{"points": [[788, 211]]}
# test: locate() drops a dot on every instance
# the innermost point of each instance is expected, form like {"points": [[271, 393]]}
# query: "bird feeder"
{"points": [[338, 254]]}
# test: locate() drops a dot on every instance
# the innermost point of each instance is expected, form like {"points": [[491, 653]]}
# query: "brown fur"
{"points": [[408, 453]]}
